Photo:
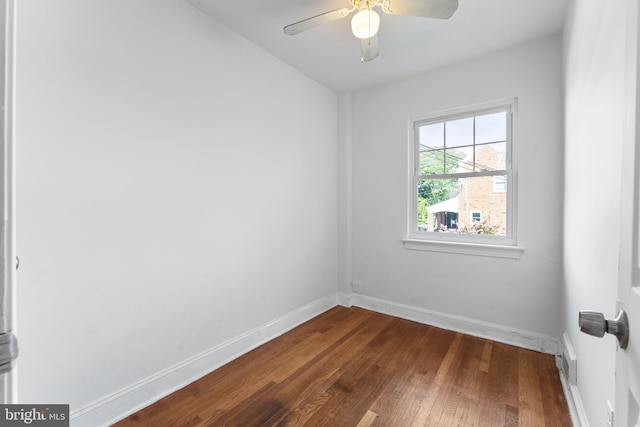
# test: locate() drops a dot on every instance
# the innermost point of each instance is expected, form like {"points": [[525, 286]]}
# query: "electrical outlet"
{"points": [[609, 414], [356, 287]]}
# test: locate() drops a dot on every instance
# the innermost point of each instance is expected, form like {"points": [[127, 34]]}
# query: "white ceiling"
{"points": [[330, 54]]}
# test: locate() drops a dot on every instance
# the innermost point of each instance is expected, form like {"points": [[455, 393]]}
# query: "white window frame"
{"points": [[498, 246], [479, 214]]}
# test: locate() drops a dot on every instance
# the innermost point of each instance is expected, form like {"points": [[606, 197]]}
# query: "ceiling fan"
{"points": [[366, 22]]}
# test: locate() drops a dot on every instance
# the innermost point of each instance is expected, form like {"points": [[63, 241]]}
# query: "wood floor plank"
{"points": [[501, 385], [462, 398], [553, 400], [531, 413], [368, 419], [356, 368], [512, 417], [451, 397], [486, 357], [426, 414]]}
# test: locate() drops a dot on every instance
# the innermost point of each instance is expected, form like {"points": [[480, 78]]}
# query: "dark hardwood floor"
{"points": [[353, 367]]}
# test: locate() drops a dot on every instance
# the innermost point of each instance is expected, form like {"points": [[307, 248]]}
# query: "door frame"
{"points": [[8, 381], [629, 251]]}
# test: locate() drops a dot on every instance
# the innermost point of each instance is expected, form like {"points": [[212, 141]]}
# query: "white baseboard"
{"points": [[467, 326], [139, 395], [576, 410], [344, 300]]}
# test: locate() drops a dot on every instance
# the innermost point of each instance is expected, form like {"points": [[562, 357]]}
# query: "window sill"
{"points": [[465, 248]]}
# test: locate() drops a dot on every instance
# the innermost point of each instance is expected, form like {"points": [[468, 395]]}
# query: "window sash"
{"points": [[508, 108]]}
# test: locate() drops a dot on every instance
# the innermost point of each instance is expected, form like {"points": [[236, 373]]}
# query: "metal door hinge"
{"points": [[8, 352]]}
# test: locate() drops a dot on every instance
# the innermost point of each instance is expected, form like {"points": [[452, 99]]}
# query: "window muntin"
{"points": [[463, 165]]}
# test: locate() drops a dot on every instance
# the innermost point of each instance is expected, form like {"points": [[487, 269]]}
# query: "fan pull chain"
{"points": [[369, 7]]}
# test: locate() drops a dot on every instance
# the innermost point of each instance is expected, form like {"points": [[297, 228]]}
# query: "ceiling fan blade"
{"points": [[314, 21], [442, 9], [369, 48]]}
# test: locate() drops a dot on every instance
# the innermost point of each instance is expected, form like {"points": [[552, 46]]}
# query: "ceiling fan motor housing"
{"points": [[364, 4]]}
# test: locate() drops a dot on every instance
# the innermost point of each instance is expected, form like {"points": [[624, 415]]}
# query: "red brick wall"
{"points": [[477, 195]]}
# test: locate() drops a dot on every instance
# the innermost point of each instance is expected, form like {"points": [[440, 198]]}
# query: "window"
{"points": [[461, 183], [499, 184]]}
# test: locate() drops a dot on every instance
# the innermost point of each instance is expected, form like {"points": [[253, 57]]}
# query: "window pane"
{"points": [[432, 162], [491, 157], [437, 204], [491, 127], [457, 160], [463, 158], [464, 205], [432, 136], [459, 132]]}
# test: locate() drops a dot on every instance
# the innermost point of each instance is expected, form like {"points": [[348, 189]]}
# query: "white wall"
{"points": [[522, 294], [345, 194], [595, 78], [176, 189]]}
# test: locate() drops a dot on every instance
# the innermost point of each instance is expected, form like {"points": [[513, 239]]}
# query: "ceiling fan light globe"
{"points": [[365, 24]]}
